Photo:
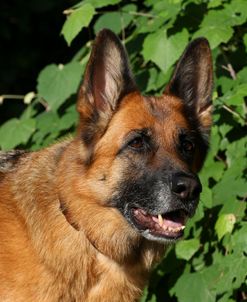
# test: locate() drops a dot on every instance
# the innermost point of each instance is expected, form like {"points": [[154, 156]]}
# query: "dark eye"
{"points": [[188, 146], [137, 143]]}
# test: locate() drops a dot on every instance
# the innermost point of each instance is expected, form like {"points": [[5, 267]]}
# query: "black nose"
{"points": [[186, 186]]}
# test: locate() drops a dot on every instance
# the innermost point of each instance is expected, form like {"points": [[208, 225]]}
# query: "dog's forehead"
{"points": [[162, 112], [167, 109]]}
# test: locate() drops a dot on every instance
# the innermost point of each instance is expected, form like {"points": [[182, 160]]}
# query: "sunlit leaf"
{"points": [[78, 19], [224, 224]]}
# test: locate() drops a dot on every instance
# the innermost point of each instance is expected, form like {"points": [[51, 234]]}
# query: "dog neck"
{"points": [[64, 210]]}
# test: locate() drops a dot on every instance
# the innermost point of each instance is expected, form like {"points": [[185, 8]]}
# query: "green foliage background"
{"points": [[210, 263]]}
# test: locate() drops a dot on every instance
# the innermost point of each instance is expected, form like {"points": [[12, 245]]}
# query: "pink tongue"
{"points": [[171, 220], [173, 224]]}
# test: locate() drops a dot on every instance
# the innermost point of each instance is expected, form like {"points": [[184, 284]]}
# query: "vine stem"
{"points": [[68, 11], [227, 108], [21, 97], [11, 97], [228, 65], [142, 14], [230, 69]]}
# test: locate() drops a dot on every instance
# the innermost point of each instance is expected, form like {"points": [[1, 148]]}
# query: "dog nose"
{"points": [[186, 186]]}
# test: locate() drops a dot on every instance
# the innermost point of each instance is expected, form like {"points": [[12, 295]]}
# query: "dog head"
{"points": [[140, 154]]}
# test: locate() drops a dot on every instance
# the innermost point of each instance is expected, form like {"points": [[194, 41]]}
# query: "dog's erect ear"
{"points": [[192, 81], [107, 80]]}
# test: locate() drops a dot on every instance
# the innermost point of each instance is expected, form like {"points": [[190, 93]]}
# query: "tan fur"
{"points": [[43, 257], [60, 240]]}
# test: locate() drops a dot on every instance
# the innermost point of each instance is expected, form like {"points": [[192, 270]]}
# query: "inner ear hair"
{"points": [[108, 76], [192, 80]]}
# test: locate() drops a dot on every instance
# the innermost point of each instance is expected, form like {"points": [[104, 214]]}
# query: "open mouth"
{"points": [[169, 225]]}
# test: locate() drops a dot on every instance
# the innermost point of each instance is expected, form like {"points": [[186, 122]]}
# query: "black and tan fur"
{"points": [[70, 229]]}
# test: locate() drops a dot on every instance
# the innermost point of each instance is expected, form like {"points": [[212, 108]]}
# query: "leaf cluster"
{"points": [[210, 263]]}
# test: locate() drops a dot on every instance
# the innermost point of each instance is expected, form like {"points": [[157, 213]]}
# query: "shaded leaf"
{"points": [[191, 285], [116, 21], [15, 132], [185, 249]]}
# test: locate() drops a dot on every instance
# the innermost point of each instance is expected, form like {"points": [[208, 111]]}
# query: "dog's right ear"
{"points": [[107, 80]]}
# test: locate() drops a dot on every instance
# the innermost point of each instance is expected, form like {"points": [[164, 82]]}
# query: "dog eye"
{"points": [[188, 146], [137, 143]]}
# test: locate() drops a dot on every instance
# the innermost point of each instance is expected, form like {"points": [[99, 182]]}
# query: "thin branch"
{"points": [[11, 97], [68, 11], [44, 104], [227, 108], [22, 97], [230, 69], [125, 12], [143, 14], [228, 66]]}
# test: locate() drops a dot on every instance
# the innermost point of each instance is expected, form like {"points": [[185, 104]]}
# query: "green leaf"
{"points": [[245, 41], [215, 28], [146, 25], [162, 50], [68, 119], [232, 272], [242, 74], [239, 238], [157, 80], [57, 83], [191, 285], [224, 224], [187, 248], [144, 295], [47, 122], [116, 21], [236, 96], [214, 140], [78, 19], [96, 3], [231, 184], [15, 132], [168, 9], [226, 83], [206, 197], [236, 151], [213, 169], [214, 3], [236, 11]]}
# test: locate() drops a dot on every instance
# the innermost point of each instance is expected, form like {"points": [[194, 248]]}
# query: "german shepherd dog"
{"points": [[85, 219]]}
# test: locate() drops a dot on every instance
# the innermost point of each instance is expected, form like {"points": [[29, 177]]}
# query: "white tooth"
{"points": [[170, 229], [160, 220], [182, 227], [164, 227]]}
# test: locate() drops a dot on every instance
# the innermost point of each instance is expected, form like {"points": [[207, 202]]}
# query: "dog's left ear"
{"points": [[192, 81], [107, 80]]}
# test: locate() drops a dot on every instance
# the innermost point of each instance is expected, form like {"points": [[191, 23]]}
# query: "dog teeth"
{"points": [[165, 228], [161, 221], [173, 230]]}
